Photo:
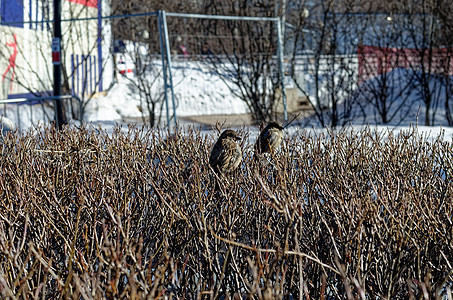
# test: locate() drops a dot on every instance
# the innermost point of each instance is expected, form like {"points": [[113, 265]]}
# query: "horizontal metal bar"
{"points": [[62, 97], [154, 13], [221, 17], [22, 100]]}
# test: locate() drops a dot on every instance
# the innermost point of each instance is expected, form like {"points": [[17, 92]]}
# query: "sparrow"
{"points": [[226, 155], [269, 139]]}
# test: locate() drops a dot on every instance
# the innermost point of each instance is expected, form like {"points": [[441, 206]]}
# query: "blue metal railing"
{"points": [[32, 100]]}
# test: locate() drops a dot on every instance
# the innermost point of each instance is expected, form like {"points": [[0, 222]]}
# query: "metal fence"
{"points": [[85, 69], [46, 111], [166, 51]]}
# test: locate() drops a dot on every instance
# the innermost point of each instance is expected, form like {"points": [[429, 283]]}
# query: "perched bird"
{"points": [[269, 139], [226, 155]]}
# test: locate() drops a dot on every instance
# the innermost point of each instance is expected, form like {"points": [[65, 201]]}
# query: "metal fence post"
{"points": [[164, 65], [280, 60], [59, 117], [168, 55], [18, 117]]}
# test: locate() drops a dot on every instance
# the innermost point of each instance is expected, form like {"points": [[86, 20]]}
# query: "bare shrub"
{"points": [[139, 213]]}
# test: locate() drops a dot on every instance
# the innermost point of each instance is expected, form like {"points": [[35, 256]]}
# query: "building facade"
{"points": [[26, 32]]}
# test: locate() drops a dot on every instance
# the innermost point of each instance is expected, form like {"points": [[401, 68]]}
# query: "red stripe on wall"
{"points": [[90, 3], [374, 60]]}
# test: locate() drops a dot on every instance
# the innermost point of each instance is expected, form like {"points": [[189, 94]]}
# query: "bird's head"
{"points": [[231, 134], [274, 124]]}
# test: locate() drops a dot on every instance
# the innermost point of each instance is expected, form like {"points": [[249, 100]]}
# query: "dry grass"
{"points": [[84, 214]]}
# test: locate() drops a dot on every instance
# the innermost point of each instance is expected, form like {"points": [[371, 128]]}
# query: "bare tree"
{"points": [[383, 84], [143, 50], [320, 39], [244, 53], [132, 28], [145, 82], [407, 62]]}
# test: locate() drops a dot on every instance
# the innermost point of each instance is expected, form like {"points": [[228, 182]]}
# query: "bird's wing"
{"points": [[263, 141], [215, 156], [232, 155], [225, 156], [274, 138]]}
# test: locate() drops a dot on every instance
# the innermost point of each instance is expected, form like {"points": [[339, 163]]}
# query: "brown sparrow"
{"points": [[269, 139], [226, 155]]}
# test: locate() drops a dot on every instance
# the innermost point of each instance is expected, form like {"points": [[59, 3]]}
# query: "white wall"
{"points": [[34, 69]]}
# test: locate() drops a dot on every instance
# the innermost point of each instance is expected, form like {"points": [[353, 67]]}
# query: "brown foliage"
{"points": [[135, 214]]}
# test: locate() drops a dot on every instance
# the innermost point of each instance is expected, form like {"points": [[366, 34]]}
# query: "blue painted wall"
{"points": [[12, 11]]}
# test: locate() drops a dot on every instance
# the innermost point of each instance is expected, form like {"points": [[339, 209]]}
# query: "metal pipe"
{"points": [[280, 66], [154, 13], [220, 17], [18, 118], [168, 55], [59, 98], [59, 117], [164, 68], [20, 100]]}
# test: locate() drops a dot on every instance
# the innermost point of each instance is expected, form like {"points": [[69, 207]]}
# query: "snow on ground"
{"points": [[118, 103], [198, 91], [427, 132], [201, 92]]}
